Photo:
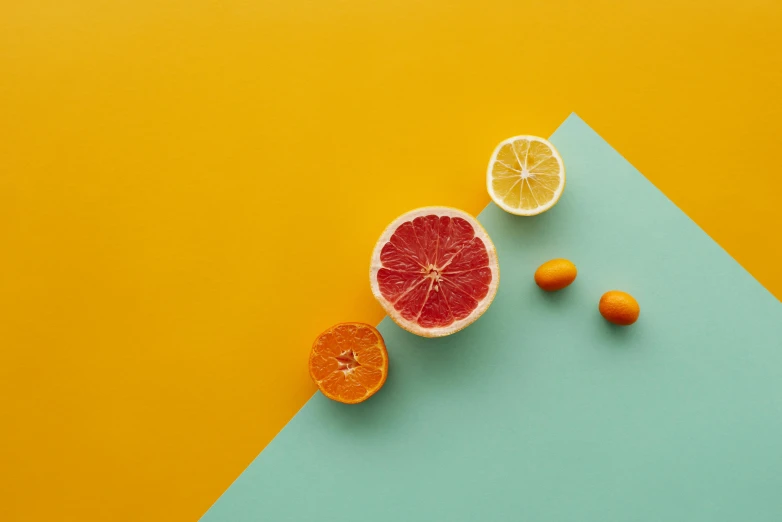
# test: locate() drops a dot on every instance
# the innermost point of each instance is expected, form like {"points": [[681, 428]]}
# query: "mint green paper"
{"points": [[541, 411]]}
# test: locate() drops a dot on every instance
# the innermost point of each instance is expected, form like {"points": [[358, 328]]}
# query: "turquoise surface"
{"points": [[543, 411]]}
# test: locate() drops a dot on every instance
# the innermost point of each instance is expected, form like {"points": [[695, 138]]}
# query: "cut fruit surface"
{"points": [[349, 362], [434, 270], [526, 175]]}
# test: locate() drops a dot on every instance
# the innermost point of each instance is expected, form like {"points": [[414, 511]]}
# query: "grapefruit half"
{"points": [[434, 270]]}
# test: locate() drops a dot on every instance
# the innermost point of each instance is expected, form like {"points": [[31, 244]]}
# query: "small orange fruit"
{"points": [[349, 362], [555, 274], [619, 308]]}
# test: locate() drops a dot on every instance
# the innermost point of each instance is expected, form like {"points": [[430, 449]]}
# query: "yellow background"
{"points": [[190, 191]]}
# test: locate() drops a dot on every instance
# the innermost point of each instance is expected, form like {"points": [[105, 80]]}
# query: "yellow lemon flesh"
{"points": [[526, 175]]}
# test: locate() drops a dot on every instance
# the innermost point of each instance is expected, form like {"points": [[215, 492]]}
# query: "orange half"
{"points": [[349, 362]]}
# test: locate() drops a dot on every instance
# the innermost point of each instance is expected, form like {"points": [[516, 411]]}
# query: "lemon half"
{"points": [[526, 175]]}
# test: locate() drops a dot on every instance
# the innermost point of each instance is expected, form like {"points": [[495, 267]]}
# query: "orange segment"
{"points": [[349, 362]]}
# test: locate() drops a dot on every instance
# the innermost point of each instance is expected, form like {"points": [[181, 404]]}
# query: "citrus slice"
{"points": [[434, 270], [526, 175], [349, 362]]}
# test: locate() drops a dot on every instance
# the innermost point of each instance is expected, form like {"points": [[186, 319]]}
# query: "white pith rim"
{"points": [[521, 211], [483, 304]]}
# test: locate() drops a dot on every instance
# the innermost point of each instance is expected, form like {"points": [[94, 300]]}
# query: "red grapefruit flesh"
{"points": [[435, 271]]}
